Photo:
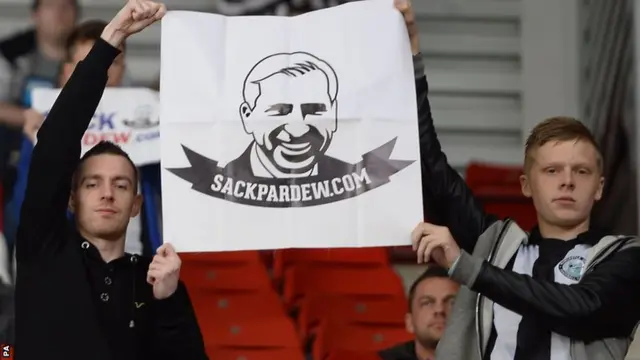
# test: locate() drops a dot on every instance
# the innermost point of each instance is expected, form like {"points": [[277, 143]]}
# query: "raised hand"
{"points": [[404, 6], [135, 16], [164, 272]]}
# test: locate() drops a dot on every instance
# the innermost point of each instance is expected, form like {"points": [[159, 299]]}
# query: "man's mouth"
{"points": [[565, 199], [107, 211]]}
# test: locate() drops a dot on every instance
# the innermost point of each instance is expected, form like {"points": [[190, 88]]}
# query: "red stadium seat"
{"points": [[213, 306], [483, 174], [347, 257], [373, 282], [380, 311], [250, 277], [338, 337], [498, 189], [290, 353], [265, 332], [353, 355], [225, 258]]}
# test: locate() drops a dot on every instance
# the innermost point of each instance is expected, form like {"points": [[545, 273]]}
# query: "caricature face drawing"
{"points": [[290, 108]]}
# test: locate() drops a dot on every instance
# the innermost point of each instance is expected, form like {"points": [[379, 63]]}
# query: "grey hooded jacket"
{"points": [[604, 300]]}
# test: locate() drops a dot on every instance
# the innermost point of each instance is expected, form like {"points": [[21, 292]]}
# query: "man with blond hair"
{"points": [[563, 291]]}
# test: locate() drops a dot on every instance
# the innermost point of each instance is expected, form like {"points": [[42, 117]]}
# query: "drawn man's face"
{"points": [[295, 126]]}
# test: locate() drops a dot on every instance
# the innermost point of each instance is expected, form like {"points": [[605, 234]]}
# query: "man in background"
{"points": [[430, 300], [27, 60]]}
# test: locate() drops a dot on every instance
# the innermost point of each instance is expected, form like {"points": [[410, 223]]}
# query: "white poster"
{"points": [[127, 117], [289, 132]]}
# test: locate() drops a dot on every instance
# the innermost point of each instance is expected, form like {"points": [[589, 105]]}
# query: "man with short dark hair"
{"points": [[79, 295], [430, 299]]}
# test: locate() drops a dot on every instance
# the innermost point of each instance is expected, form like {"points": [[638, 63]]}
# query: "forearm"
{"points": [[596, 298], [11, 115], [447, 199]]}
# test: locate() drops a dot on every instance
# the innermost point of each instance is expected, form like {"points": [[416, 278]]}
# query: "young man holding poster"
{"points": [[564, 291], [78, 295]]}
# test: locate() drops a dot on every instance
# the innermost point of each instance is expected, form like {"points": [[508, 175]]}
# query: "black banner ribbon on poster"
{"points": [[339, 181]]}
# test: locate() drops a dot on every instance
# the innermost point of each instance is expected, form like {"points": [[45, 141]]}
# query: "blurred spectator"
{"points": [[27, 60], [77, 46], [430, 300]]}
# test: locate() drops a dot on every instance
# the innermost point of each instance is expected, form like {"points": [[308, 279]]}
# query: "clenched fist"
{"points": [[433, 242], [164, 272], [135, 16]]}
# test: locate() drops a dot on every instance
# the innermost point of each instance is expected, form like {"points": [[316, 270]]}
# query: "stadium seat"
{"points": [[378, 311], [348, 257], [483, 174], [250, 277], [213, 306], [353, 355], [223, 258], [498, 189], [372, 282], [275, 332], [339, 337], [256, 354]]}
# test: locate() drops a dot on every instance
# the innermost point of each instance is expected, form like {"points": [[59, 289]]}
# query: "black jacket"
{"points": [[70, 304], [404, 351], [449, 202]]}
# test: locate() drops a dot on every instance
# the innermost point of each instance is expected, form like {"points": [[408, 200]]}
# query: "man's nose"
{"points": [[568, 179], [439, 308], [107, 193], [297, 129]]}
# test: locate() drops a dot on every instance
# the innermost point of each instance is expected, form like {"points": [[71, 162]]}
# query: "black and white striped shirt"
{"points": [[515, 337]]}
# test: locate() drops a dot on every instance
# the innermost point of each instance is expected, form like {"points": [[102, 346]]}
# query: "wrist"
{"points": [[415, 47], [112, 36]]}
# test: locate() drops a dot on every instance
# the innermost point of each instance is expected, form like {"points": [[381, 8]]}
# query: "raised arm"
{"points": [[447, 199], [57, 152]]}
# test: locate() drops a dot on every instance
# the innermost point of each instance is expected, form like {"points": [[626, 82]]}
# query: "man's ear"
{"points": [[408, 324], [72, 202], [245, 112], [598, 195], [525, 186], [137, 205]]}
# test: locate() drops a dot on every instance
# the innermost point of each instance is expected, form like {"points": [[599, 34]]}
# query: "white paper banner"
{"points": [[289, 132], [127, 117]]}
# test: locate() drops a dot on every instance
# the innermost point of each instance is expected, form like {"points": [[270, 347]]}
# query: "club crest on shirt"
{"points": [[571, 267]]}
